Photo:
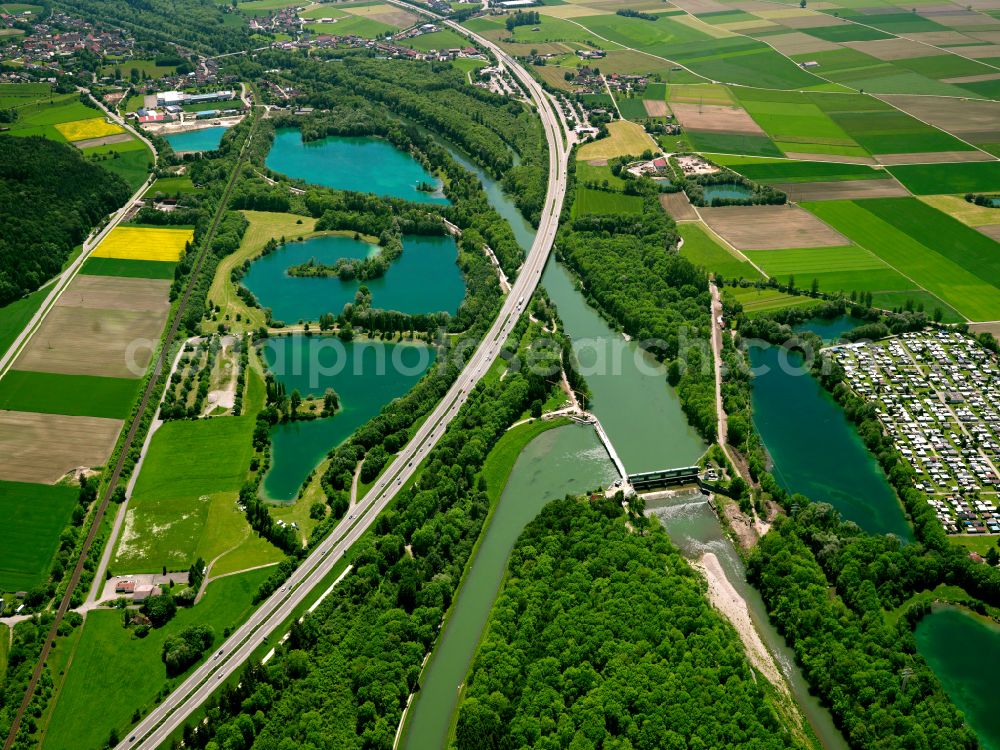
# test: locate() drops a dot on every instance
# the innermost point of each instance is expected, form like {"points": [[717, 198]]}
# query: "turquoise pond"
{"points": [[364, 165], [815, 450], [206, 139], [726, 190], [424, 279], [964, 652], [366, 374], [830, 329]]}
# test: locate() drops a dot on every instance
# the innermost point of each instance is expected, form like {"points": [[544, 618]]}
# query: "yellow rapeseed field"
{"points": [[141, 243], [95, 127]]}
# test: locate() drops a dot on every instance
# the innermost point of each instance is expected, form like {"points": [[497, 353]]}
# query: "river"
{"points": [[562, 460], [642, 416]]}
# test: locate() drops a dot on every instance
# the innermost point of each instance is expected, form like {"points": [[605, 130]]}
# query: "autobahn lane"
{"points": [[157, 727]]}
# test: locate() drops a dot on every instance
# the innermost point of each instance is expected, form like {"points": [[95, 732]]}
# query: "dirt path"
{"points": [[760, 526], [354, 483]]}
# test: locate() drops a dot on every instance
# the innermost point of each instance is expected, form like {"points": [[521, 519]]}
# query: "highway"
{"points": [[157, 727]]}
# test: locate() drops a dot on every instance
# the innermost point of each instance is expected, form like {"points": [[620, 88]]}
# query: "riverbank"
{"points": [[727, 600]]}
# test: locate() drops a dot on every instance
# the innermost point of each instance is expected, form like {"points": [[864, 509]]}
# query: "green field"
{"points": [[789, 170], [15, 316], [34, 515], [365, 28], [184, 503], [589, 201], [847, 32], [837, 269], [957, 270], [75, 395], [731, 143], [41, 116], [131, 160], [325, 10], [935, 179], [17, 95], [588, 173], [702, 250], [631, 108], [191, 458], [146, 68], [122, 673], [795, 120], [437, 40], [139, 269], [756, 301], [257, 7], [172, 186]]}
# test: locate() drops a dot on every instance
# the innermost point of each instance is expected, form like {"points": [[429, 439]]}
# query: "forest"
{"points": [[603, 637], [205, 27], [50, 199]]}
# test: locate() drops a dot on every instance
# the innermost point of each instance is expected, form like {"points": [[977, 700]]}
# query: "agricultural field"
{"points": [[139, 269], [366, 20], [769, 227], [966, 212], [34, 517], [144, 243], [836, 269], [437, 40], [756, 301], [624, 139], [703, 250], [75, 395], [40, 116], [103, 325], [590, 201], [934, 179], [43, 448], [184, 502], [957, 263], [15, 316]]}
